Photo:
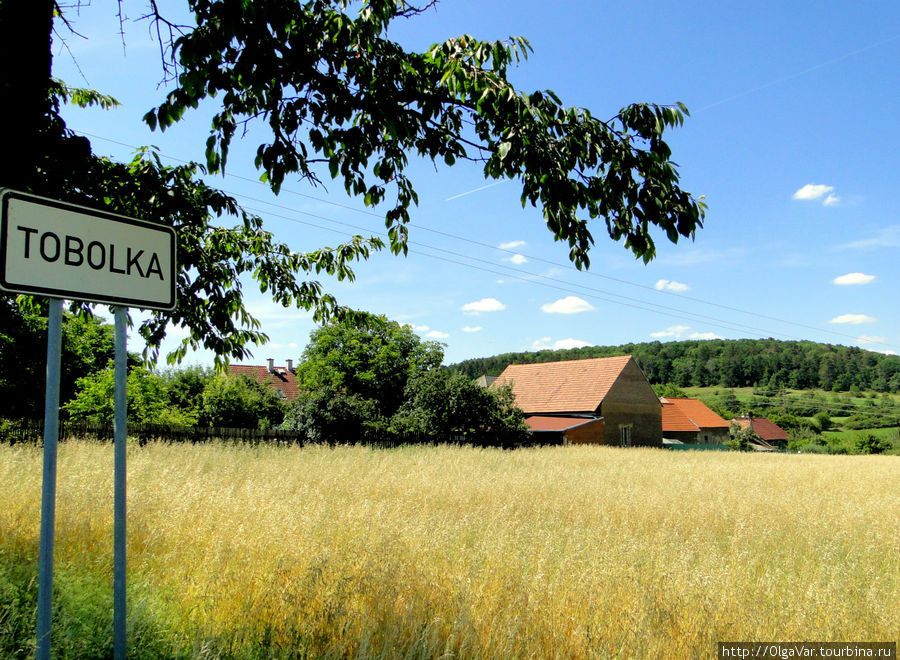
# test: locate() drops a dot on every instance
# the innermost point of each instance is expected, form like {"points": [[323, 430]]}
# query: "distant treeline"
{"points": [[730, 363]]}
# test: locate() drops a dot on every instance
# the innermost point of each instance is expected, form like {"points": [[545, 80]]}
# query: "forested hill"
{"points": [[730, 363]]}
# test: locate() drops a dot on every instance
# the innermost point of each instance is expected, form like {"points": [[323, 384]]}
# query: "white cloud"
{"points": [[870, 339], [571, 343], [703, 335], [694, 256], [831, 200], [517, 259], [813, 191], [853, 278], [853, 319], [567, 305], [470, 328], [267, 309], [671, 331], [670, 285], [887, 237], [547, 343], [483, 305], [511, 245], [437, 334]]}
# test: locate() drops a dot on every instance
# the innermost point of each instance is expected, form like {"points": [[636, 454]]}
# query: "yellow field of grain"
{"points": [[461, 552]]}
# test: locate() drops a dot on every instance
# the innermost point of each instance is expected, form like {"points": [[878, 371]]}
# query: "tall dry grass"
{"points": [[461, 552]]}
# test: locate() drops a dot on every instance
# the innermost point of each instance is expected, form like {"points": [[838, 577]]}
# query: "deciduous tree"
{"points": [[368, 357], [333, 416], [239, 402], [373, 376], [438, 402], [148, 400], [333, 91], [87, 346]]}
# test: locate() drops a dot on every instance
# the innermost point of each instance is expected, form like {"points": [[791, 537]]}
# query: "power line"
{"points": [[536, 278], [635, 303], [550, 262]]}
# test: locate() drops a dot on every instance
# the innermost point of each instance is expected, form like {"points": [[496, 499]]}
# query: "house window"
{"points": [[626, 435]]}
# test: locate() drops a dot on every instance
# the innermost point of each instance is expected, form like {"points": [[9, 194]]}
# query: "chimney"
{"points": [[290, 366], [271, 363]]}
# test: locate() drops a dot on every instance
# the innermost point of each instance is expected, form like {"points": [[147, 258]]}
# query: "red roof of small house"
{"points": [[674, 419], [697, 411], [279, 378], [567, 386], [768, 431], [540, 423]]}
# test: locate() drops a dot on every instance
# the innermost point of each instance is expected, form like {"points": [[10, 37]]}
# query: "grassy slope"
{"points": [[839, 406], [829, 399], [849, 437], [354, 552]]}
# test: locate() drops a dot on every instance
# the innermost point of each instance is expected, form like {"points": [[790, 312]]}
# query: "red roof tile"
{"points": [[698, 413], [674, 420], [281, 379], [768, 431], [538, 423], [567, 386]]}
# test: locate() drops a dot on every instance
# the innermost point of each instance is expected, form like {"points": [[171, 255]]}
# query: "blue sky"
{"points": [[792, 141]]}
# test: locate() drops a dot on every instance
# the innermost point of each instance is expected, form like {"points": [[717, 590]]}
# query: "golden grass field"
{"points": [[460, 552]]}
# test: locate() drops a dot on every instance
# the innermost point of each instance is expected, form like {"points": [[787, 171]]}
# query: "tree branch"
{"points": [[166, 45]]}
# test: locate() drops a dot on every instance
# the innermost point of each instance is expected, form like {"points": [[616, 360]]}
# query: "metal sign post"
{"points": [[121, 436], [61, 250], [48, 489]]}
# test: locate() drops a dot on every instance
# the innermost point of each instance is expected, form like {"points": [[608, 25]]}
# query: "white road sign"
{"points": [[63, 250]]}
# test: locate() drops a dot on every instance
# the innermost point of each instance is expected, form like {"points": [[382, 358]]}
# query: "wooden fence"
{"points": [[32, 431]]}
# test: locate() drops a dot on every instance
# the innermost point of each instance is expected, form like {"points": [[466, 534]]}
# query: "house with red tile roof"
{"points": [[611, 389], [677, 426], [768, 434], [281, 379], [691, 421]]}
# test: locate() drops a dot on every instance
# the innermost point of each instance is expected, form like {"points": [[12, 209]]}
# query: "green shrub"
{"points": [[821, 421], [861, 421], [671, 390], [239, 402], [787, 422], [326, 415], [869, 443], [740, 439]]}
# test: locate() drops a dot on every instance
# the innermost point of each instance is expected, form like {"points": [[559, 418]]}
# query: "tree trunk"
{"points": [[25, 107]]}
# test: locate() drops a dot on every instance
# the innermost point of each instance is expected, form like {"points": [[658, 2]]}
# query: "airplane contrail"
{"points": [[799, 73], [474, 190]]}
